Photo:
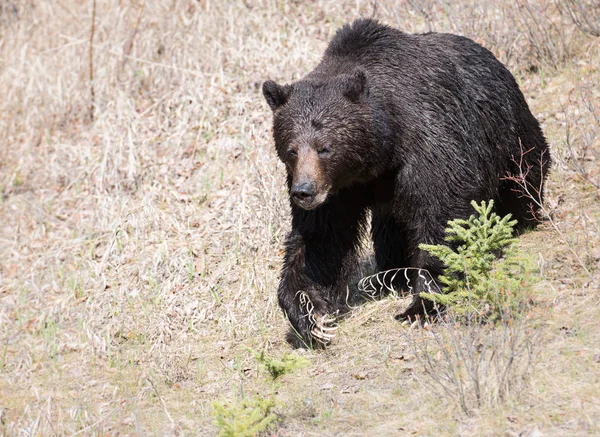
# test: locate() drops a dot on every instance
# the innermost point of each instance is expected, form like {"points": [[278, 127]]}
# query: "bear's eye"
{"points": [[292, 153], [324, 151]]}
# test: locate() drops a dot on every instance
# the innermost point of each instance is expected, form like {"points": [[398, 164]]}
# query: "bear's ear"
{"points": [[276, 95], [355, 86]]}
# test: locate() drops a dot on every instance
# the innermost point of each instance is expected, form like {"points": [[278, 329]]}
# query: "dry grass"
{"points": [[140, 252]]}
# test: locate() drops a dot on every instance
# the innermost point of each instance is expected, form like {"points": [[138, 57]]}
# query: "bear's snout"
{"points": [[303, 193]]}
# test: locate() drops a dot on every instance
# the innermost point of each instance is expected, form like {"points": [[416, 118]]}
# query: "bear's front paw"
{"points": [[319, 324], [324, 329]]}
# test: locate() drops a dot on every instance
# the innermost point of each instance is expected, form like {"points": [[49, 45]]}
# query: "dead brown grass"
{"points": [[140, 252]]}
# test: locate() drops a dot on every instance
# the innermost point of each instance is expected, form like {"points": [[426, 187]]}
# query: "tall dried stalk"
{"points": [[91, 52]]}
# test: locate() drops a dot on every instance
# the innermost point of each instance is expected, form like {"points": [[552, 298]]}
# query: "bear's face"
{"points": [[321, 130]]}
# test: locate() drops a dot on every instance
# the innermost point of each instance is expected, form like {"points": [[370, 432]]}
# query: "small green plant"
{"points": [[485, 275], [279, 367], [246, 418], [191, 270]]}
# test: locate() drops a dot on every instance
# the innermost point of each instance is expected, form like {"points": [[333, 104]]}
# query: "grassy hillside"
{"points": [[143, 209]]}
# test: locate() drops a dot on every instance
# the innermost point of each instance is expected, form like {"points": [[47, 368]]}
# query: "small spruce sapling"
{"points": [[279, 367], [484, 275], [247, 418]]}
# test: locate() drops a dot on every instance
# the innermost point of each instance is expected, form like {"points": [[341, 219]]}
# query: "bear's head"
{"points": [[323, 134]]}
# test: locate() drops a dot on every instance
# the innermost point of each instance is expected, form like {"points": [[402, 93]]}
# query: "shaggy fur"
{"points": [[410, 127]]}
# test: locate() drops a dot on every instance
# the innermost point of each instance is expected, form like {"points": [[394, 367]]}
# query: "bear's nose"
{"points": [[303, 191]]}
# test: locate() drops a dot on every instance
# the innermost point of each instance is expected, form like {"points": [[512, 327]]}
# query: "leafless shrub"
{"points": [[539, 209], [524, 34], [476, 365], [584, 13], [545, 32], [582, 133]]}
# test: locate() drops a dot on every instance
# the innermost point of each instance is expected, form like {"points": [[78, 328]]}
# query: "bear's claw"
{"points": [[320, 326], [322, 331]]}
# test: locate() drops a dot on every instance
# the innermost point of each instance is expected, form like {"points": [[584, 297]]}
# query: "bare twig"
{"points": [[162, 401], [382, 283], [129, 43], [91, 63], [96, 423]]}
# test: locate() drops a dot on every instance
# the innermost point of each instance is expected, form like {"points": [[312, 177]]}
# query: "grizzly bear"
{"points": [[409, 128]]}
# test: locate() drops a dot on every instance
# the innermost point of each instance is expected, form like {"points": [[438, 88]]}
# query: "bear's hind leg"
{"points": [[421, 279], [429, 223], [521, 190], [512, 200]]}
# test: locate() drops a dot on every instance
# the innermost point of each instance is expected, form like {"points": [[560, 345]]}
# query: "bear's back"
{"points": [[371, 45], [424, 75]]}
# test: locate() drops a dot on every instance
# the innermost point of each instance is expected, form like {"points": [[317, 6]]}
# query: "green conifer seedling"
{"points": [[483, 272]]}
